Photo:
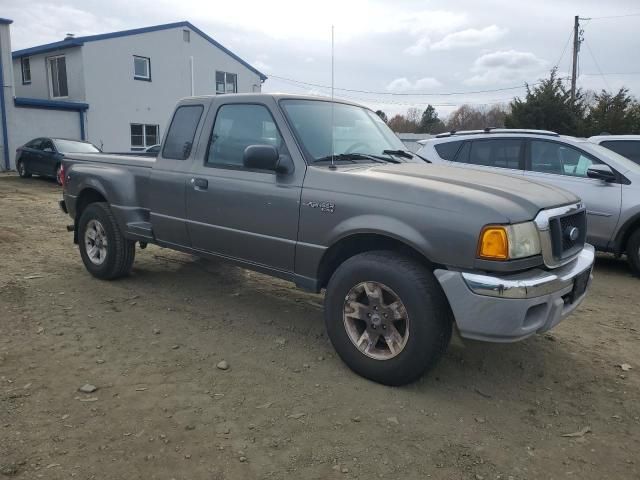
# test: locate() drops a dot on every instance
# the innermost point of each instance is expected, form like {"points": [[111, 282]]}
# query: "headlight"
{"points": [[507, 242]]}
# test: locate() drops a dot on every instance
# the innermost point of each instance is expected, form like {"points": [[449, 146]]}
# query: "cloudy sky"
{"points": [[394, 49]]}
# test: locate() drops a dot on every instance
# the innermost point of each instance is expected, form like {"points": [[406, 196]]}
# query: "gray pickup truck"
{"points": [[322, 194]]}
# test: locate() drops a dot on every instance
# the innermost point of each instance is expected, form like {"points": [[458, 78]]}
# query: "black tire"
{"points": [[22, 170], [120, 252], [633, 252], [430, 324]]}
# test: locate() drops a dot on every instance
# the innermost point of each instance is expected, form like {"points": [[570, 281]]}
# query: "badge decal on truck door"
{"points": [[326, 207]]}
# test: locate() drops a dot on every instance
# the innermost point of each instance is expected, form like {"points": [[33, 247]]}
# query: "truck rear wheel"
{"points": [[387, 317], [105, 252], [633, 252]]}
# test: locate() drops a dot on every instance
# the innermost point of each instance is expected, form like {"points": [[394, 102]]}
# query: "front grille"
{"points": [[568, 234]]}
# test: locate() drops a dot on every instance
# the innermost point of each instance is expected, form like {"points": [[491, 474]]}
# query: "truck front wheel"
{"points": [[387, 317], [105, 252]]}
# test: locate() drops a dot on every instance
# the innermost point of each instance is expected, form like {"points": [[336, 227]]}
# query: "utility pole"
{"points": [[576, 48]]}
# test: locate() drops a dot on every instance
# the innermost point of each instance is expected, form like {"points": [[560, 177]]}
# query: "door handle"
{"points": [[200, 183]]}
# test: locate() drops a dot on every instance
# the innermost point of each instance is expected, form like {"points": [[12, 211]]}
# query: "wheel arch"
{"points": [[361, 242], [630, 226], [87, 196]]}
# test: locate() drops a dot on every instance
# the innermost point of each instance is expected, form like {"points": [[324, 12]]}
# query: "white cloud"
{"points": [[405, 85], [506, 66], [262, 66], [418, 48], [471, 37]]}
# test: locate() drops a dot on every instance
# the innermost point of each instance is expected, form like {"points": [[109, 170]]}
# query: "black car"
{"points": [[43, 156]]}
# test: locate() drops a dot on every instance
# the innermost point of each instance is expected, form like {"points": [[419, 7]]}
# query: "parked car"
{"points": [[323, 194], [625, 145], [608, 183], [43, 156]]}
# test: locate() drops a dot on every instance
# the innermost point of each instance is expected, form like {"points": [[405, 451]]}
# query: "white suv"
{"points": [[626, 145], [608, 183]]}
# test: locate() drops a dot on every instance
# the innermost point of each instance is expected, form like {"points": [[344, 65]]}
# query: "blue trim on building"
{"points": [[3, 112], [78, 41], [82, 135], [6, 21], [50, 104], [49, 47]]}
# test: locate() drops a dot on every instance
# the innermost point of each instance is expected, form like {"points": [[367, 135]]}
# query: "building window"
{"points": [[141, 68], [186, 35], [143, 136], [58, 74], [226, 82], [26, 70]]}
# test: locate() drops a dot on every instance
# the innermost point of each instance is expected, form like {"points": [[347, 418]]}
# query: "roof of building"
{"points": [[78, 41], [5, 21]]}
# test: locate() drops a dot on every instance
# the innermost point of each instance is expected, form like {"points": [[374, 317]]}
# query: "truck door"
{"points": [[170, 176], [251, 215]]}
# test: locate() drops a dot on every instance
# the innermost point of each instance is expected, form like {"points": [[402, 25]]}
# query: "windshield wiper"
{"points": [[399, 153], [405, 154], [356, 156]]}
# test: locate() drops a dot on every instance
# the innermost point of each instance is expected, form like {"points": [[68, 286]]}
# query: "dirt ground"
{"points": [[286, 407]]}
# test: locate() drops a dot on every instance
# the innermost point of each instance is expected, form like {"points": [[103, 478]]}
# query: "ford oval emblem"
{"points": [[572, 233]]}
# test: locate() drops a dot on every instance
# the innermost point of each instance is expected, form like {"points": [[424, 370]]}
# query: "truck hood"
{"points": [[512, 196]]}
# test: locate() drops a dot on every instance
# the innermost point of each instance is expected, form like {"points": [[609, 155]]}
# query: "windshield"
{"points": [[71, 146], [355, 130], [623, 163]]}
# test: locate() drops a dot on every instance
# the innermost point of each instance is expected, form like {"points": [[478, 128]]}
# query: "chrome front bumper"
{"points": [[532, 283], [512, 307]]}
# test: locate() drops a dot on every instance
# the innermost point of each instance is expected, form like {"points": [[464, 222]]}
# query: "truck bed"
{"points": [[113, 159]]}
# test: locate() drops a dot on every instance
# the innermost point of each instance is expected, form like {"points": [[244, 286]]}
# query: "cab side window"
{"points": [[236, 127], [559, 159]]}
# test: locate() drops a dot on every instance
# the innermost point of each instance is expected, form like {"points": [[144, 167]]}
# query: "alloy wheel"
{"points": [[376, 320]]}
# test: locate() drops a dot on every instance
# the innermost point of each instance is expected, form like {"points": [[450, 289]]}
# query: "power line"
{"points": [[597, 65], [564, 49], [612, 16], [406, 94]]}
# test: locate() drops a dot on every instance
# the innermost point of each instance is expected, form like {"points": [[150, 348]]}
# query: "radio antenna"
{"points": [[333, 143]]}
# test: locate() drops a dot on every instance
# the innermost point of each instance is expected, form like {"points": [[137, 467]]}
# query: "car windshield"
{"points": [[624, 164], [349, 132], [71, 146]]}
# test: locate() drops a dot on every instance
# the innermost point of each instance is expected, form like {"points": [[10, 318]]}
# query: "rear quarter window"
{"points": [[179, 141], [448, 150]]}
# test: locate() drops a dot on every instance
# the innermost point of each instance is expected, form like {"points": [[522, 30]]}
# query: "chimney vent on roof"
{"points": [[69, 36]]}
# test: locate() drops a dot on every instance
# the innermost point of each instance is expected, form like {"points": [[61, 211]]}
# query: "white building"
{"points": [[116, 90]]}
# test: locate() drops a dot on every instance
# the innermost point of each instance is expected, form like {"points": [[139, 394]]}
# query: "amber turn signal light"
{"points": [[494, 243]]}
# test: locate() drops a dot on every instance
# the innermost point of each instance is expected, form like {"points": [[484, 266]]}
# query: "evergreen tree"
{"points": [[382, 115], [429, 121], [613, 114], [548, 106]]}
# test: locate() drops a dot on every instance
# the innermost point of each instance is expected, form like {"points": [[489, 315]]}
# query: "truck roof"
{"points": [[248, 97]]}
